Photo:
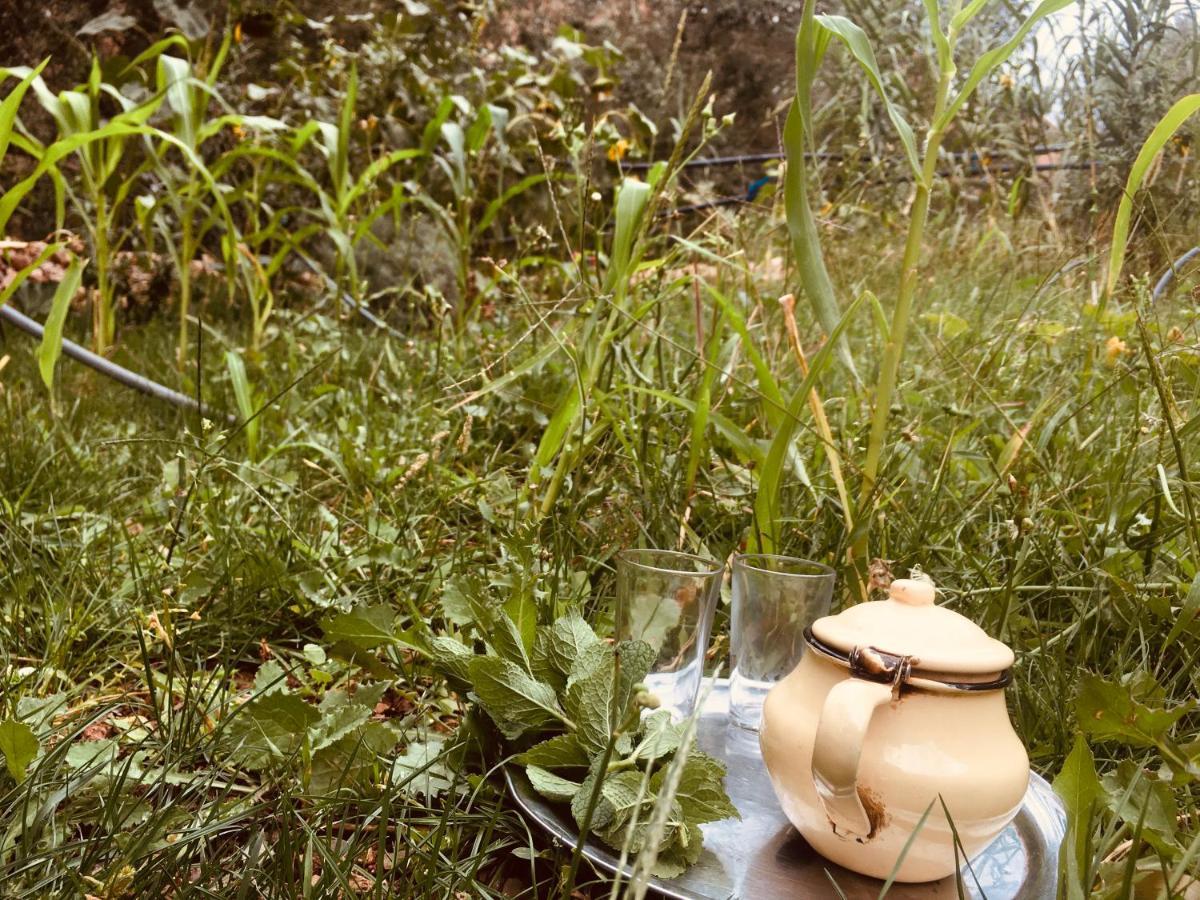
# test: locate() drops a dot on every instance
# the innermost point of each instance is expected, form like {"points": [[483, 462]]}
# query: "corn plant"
{"points": [[102, 147], [103, 186], [462, 162], [191, 195], [344, 193], [812, 41]]}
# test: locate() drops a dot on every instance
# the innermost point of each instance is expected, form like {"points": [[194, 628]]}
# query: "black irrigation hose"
{"points": [[152, 388], [112, 370], [711, 161], [347, 301], [1168, 276]]}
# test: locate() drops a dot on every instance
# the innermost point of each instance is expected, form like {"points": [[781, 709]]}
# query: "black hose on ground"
{"points": [[112, 370]]}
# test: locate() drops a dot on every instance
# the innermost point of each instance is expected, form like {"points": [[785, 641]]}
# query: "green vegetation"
{"points": [[286, 656]]}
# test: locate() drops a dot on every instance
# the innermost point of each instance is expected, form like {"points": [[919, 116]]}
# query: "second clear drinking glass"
{"points": [[774, 599], [667, 599]]}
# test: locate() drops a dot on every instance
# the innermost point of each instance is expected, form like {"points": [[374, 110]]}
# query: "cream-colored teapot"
{"points": [[895, 704]]}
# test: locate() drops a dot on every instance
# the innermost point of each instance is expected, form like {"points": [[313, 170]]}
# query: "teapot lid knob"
{"points": [[912, 591]]}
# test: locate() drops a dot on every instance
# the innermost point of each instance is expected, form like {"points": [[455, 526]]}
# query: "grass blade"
{"points": [[245, 398], [766, 502]]}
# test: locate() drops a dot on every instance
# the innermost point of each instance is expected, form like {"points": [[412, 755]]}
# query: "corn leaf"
{"points": [[10, 105], [52, 334], [772, 396], [244, 397], [802, 228], [1163, 132], [632, 197], [994, 57], [746, 448], [859, 45], [19, 278]]}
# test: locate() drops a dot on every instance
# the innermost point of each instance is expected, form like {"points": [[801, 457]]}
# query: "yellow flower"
{"points": [[1113, 348], [618, 150], [1006, 81]]}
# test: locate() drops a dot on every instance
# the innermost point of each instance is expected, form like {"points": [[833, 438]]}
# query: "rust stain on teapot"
{"points": [[876, 812]]}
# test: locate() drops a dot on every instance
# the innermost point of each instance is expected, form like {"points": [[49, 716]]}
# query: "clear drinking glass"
{"points": [[774, 599], [667, 599]]}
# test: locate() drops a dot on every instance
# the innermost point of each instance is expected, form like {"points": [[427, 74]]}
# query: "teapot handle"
{"points": [[845, 717]]}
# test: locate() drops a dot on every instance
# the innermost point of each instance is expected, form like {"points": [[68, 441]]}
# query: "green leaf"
{"points": [[1135, 795], [551, 786], [19, 746], [93, 754], [269, 729], [660, 736], [52, 335], [1170, 123], [456, 607], [451, 657], [337, 724], [421, 769], [12, 102], [616, 803], [512, 697], [1079, 789], [701, 792], [351, 764], [269, 679], [859, 45], [565, 642], [521, 609], [563, 751], [366, 627], [594, 702], [315, 654], [1108, 710], [366, 695], [497, 627], [986, 63], [1188, 614]]}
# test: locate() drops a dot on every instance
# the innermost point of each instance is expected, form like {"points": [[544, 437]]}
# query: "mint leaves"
{"points": [[516, 701], [564, 698], [569, 704]]}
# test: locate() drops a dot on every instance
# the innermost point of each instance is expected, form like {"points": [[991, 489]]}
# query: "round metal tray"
{"points": [[761, 857]]}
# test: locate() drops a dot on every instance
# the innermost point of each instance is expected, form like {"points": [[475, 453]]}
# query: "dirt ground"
{"points": [[747, 45]]}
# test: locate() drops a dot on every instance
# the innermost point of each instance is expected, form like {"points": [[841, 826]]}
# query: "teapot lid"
{"points": [[909, 624]]}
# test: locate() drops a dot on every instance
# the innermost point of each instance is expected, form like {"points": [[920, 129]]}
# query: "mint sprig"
{"points": [[572, 706]]}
